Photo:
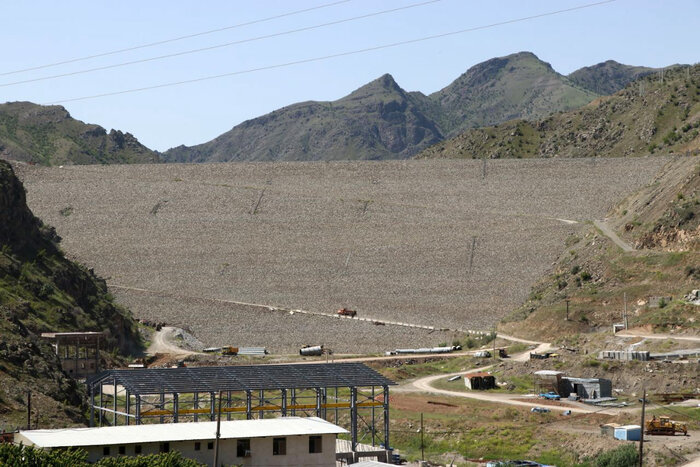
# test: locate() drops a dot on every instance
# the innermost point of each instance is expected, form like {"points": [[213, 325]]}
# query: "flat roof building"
{"points": [[273, 441]]}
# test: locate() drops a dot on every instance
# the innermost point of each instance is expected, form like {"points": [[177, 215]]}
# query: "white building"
{"points": [[293, 441]]}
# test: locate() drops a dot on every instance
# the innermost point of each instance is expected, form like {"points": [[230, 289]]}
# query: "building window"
{"points": [[197, 446], [137, 449], [210, 445], [105, 451], [164, 447], [315, 444], [122, 450], [243, 448], [279, 446]]}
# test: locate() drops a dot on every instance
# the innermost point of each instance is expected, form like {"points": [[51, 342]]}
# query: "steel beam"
{"points": [[176, 407], [249, 405], [353, 418], [386, 417]]}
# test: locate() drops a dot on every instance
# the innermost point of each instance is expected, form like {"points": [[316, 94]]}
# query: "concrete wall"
{"points": [[589, 389], [261, 451]]}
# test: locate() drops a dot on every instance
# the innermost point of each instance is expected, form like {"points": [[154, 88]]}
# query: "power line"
{"points": [[219, 46], [175, 39], [328, 57]]}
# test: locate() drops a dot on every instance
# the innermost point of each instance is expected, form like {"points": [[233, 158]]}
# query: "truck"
{"points": [[551, 395], [347, 312], [664, 426]]}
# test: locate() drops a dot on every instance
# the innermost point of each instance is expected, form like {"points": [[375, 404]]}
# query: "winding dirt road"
{"points": [[608, 232], [162, 343]]}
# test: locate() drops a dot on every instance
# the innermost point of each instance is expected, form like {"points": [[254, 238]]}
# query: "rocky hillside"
{"points": [[48, 135], [660, 222], [382, 121], [656, 116], [608, 77], [378, 121], [42, 291]]}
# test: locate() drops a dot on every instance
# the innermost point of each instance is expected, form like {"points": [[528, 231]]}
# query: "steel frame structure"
{"points": [[123, 397]]}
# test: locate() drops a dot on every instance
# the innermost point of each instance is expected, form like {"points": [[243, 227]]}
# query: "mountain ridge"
{"points": [[48, 135], [381, 120], [639, 120]]}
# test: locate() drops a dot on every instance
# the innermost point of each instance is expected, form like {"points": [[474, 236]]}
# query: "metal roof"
{"points": [[137, 434], [242, 378], [481, 374]]}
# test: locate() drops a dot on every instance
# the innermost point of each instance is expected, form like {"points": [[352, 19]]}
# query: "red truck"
{"points": [[347, 312]]}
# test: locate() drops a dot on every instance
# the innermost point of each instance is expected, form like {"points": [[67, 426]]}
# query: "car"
{"points": [[539, 410], [551, 395]]}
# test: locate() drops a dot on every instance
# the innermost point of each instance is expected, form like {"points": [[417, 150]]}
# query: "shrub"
{"points": [[575, 269], [624, 456], [585, 276]]}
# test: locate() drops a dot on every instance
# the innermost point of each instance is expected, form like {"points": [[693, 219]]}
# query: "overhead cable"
{"points": [[174, 39], [218, 46], [328, 57]]}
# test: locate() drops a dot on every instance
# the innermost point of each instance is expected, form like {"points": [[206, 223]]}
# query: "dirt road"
{"points": [[162, 343], [608, 232], [650, 335], [425, 385]]}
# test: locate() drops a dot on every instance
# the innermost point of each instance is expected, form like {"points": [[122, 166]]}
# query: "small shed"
{"points": [[588, 388], [480, 380], [628, 432]]}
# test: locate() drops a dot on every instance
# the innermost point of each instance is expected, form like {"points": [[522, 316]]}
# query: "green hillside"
{"points": [[40, 290], [48, 135], [608, 77], [517, 86], [647, 117]]}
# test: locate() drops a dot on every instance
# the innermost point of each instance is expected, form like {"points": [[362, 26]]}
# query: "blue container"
{"points": [[628, 432]]}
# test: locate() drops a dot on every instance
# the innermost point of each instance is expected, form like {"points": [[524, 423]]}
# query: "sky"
{"points": [[42, 32]]}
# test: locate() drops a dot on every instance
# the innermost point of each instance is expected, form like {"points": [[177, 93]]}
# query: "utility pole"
{"points": [[422, 445], [218, 432], [494, 342], [29, 410], [641, 438], [471, 254]]}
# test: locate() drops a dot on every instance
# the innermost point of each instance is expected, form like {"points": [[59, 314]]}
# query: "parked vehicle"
{"points": [[347, 312], [551, 395], [539, 410], [664, 426]]}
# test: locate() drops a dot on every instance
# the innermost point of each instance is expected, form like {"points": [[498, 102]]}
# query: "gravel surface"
{"points": [[392, 240]]}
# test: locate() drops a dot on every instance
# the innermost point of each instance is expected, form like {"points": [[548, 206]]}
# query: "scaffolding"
{"points": [[79, 352], [171, 395]]}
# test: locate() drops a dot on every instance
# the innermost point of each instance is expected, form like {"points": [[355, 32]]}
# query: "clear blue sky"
{"points": [[645, 32]]}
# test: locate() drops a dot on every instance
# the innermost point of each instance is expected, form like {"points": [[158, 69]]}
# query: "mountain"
{"points": [[608, 77], [501, 89], [40, 291], [648, 116], [48, 135], [378, 121], [382, 121]]}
